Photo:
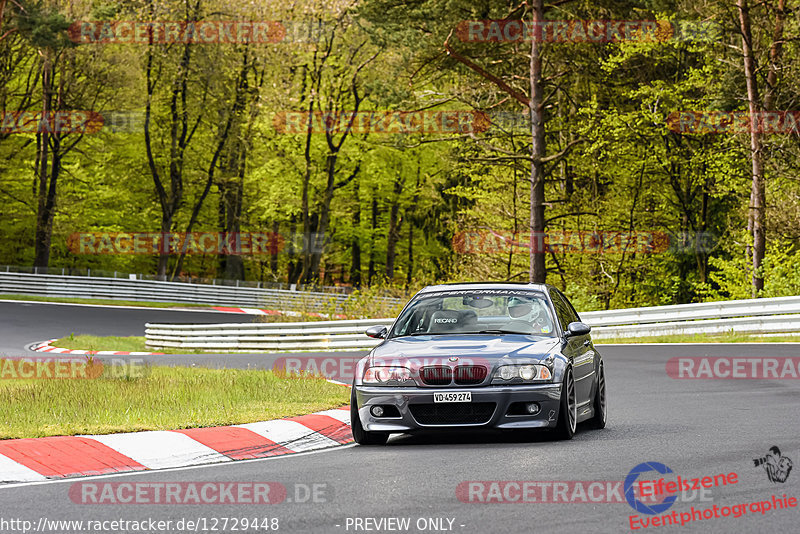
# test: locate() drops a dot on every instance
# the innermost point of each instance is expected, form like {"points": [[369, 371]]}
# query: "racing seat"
{"points": [[445, 321], [469, 317]]}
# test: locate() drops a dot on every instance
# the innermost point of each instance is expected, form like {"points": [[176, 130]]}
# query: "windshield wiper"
{"points": [[499, 331], [428, 334]]}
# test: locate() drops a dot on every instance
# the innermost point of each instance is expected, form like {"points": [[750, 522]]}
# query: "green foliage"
{"points": [[42, 25], [396, 202], [156, 398]]}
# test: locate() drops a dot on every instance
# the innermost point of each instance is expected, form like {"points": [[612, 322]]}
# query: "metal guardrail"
{"points": [[264, 337], [176, 292], [774, 324], [688, 312], [188, 279], [759, 316]]}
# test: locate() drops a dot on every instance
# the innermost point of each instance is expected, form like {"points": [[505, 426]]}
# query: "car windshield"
{"points": [[476, 312]]}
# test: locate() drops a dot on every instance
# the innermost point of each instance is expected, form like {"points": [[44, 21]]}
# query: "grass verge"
{"points": [[700, 338], [165, 398], [136, 343], [117, 344], [103, 302]]}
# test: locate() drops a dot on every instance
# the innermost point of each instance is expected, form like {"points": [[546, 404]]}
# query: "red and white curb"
{"points": [[38, 459], [46, 346]]}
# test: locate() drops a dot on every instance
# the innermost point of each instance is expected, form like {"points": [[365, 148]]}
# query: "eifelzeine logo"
{"points": [[775, 464]]}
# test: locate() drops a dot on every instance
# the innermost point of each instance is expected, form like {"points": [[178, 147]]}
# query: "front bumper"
{"points": [[404, 399]]}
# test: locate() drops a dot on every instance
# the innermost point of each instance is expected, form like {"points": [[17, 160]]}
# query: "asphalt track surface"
{"points": [[696, 427]]}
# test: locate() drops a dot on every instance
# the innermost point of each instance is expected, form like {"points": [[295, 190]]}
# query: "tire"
{"points": [[600, 405], [568, 412], [361, 436]]}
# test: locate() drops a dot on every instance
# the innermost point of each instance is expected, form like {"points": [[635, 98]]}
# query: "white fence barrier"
{"points": [[157, 291], [759, 316], [264, 337]]}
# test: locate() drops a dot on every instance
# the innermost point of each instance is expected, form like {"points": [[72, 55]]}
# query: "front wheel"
{"points": [[361, 436], [568, 411], [600, 406]]}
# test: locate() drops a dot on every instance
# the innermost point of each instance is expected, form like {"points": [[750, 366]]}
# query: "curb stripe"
{"points": [[291, 434], [235, 443], [340, 414], [45, 346], [12, 471], [63, 456], [39, 459], [260, 311], [327, 426], [157, 449]]}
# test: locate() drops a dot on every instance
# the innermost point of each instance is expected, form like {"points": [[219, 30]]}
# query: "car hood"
{"points": [[419, 351]]}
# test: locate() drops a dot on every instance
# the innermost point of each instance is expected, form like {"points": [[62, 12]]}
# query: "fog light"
{"points": [[532, 408], [377, 411]]}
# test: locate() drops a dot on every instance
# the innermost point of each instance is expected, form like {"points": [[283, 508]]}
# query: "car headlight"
{"points": [[388, 376], [519, 374]]}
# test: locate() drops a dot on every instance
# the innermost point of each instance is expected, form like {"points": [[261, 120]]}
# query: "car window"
{"points": [[474, 312], [563, 311], [573, 315]]}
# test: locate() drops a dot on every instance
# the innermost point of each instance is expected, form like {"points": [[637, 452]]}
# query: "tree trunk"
{"points": [[179, 138], [355, 244], [47, 175], [372, 246], [757, 211], [319, 239], [410, 274], [395, 222], [231, 190], [537, 273], [294, 266], [273, 251]]}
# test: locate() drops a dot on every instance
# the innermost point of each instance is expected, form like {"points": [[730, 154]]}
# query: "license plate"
{"points": [[454, 396]]}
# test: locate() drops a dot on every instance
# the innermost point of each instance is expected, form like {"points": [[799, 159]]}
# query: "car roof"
{"points": [[462, 286]]}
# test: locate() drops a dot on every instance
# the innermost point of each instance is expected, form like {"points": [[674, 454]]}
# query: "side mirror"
{"points": [[577, 329], [377, 332]]}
